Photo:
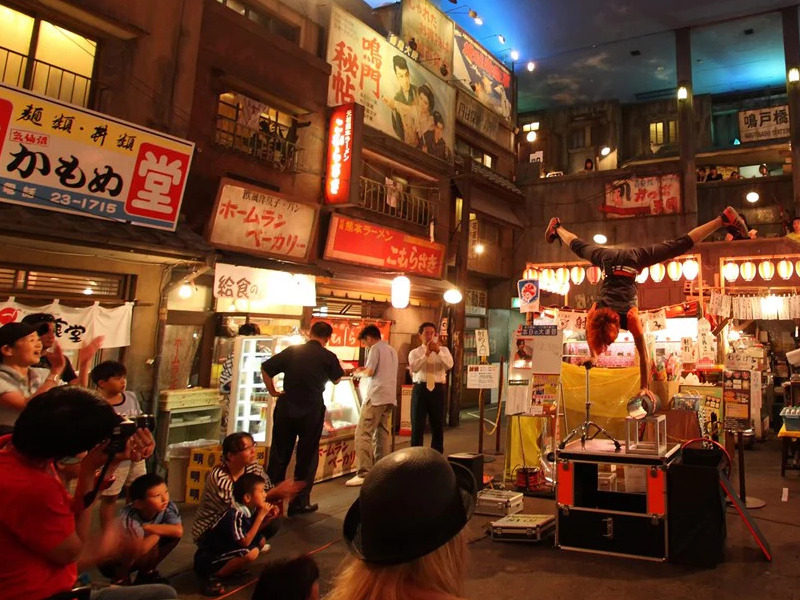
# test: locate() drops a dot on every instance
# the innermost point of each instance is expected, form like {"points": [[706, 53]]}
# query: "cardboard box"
{"points": [[195, 482], [206, 458]]}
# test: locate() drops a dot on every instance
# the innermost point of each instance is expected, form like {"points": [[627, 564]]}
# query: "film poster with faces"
{"points": [[737, 390], [535, 370], [430, 32], [481, 75], [401, 97]]}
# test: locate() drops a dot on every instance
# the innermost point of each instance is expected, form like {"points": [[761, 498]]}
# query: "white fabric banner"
{"points": [[77, 326]]}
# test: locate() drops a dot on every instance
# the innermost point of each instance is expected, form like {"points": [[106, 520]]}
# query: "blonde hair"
{"points": [[440, 571]]}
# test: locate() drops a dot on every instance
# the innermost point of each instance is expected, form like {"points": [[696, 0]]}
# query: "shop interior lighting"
{"points": [[401, 291], [531, 66], [530, 136], [733, 335], [752, 197], [479, 248], [453, 296], [683, 93], [599, 238], [642, 276], [88, 291], [185, 291], [794, 75], [605, 151]]}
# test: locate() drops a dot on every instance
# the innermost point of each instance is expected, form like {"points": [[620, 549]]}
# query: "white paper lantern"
{"points": [[747, 271], [766, 269], [401, 291], [657, 272], [562, 275], [730, 272], [577, 275], [785, 269], [674, 270], [642, 276], [690, 269]]}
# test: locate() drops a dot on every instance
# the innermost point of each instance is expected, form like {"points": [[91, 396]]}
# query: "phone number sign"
{"points": [[62, 157]]}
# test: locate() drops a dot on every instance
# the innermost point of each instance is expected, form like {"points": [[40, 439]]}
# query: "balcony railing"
{"points": [[44, 78], [270, 147], [395, 201]]}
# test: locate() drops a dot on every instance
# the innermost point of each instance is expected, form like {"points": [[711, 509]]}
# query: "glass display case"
{"points": [[343, 408]]}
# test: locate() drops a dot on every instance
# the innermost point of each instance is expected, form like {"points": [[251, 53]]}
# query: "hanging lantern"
{"points": [[562, 275], [730, 272], [657, 272], [674, 270], [747, 271], [401, 291], [642, 276], [530, 273], [766, 269], [577, 275], [546, 276], [563, 289], [797, 267], [690, 269], [785, 269], [593, 274]]}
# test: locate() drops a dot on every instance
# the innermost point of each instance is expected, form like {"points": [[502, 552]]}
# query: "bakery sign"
{"points": [[258, 221], [363, 243], [344, 150]]}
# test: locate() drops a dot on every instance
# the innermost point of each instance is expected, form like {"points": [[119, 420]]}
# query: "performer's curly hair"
{"points": [[602, 329]]}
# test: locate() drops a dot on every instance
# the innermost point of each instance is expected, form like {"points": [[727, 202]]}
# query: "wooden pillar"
{"points": [[459, 314], [791, 53], [686, 125]]}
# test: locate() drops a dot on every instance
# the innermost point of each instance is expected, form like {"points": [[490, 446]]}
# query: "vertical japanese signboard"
{"points": [[344, 154], [258, 221], [482, 75], [736, 399], [639, 196], [69, 159], [400, 97], [764, 123], [432, 33], [363, 243]]}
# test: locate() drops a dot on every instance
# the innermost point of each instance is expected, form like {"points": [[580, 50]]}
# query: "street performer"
{"points": [[615, 307]]}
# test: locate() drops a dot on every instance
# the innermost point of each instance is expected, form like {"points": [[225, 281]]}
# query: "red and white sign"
{"points": [[641, 196], [363, 243], [345, 331], [61, 157], [257, 221], [344, 164]]}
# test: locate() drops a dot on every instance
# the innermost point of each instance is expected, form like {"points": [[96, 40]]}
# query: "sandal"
{"points": [[212, 587]]}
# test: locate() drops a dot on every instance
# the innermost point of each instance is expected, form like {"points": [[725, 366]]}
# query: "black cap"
{"points": [[11, 332]]}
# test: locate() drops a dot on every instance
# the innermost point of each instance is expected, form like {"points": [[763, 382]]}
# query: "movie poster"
{"points": [[430, 32], [641, 196], [401, 98], [482, 75]]}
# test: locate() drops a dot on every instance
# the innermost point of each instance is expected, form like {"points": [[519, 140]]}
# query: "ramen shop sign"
{"points": [[344, 148]]}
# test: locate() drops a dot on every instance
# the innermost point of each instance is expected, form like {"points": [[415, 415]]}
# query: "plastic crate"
{"points": [[791, 418]]}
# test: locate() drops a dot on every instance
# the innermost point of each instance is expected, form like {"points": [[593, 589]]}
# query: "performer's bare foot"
{"points": [[734, 222], [550, 234]]}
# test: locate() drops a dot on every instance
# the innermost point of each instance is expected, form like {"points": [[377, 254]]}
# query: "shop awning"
{"points": [[482, 202]]}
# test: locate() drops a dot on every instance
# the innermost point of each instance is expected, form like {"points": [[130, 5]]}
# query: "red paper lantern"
{"points": [[593, 274]]}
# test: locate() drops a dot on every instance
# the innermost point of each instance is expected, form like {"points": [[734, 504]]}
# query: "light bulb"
{"points": [[185, 291], [599, 238], [514, 55], [453, 296], [531, 65]]}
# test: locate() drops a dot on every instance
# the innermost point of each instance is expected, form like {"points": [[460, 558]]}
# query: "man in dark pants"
{"points": [[429, 364], [300, 410]]}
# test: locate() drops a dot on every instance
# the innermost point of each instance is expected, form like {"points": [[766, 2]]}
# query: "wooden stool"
{"points": [[787, 438]]}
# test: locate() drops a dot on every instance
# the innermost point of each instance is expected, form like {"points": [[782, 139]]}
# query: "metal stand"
{"points": [[585, 429]]}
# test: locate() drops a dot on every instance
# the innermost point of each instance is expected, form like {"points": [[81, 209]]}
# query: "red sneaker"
{"points": [[734, 222], [550, 234]]}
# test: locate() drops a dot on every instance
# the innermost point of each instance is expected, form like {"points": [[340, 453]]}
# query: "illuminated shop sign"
{"points": [[344, 145]]}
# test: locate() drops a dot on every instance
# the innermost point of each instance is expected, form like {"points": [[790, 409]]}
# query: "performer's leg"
{"points": [[728, 218], [637, 331]]}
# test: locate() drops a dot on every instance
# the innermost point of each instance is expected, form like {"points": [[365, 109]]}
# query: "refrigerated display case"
{"points": [[343, 408]]}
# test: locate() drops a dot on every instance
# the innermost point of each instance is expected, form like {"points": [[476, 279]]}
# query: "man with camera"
{"points": [[45, 538], [429, 364]]}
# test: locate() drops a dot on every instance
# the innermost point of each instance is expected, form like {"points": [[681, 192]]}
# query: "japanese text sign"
{"points": [[344, 154], [264, 285], [482, 342], [528, 291], [736, 399], [336, 457], [638, 196], [345, 331], [69, 159], [764, 123], [432, 32], [359, 242], [400, 97], [483, 377], [482, 75], [258, 221]]}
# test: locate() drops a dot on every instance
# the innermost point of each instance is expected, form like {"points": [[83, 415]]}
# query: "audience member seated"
{"points": [[20, 350], [45, 536], [701, 174], [588, 166], [236, 540], [404, 530], [238, 458], [763, 171], [154, 522], [713, 175], [735, 175], [295, 579]]}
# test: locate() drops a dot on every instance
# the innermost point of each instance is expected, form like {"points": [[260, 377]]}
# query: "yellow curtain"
{"points": [[610, 390]]}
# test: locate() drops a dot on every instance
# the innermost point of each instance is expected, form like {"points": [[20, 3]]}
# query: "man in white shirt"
{"points": [[373, 433], [429, 364]]}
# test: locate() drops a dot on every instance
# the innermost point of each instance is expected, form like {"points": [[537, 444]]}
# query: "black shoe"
{"points": [[302, 509], [143, 578]]}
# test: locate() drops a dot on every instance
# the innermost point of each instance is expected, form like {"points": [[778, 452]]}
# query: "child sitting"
{"points": [[238, 537], [153, 520], [295, 579], [110, 377]]}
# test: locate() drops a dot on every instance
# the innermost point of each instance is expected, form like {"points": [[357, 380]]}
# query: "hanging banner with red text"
{"points": [[76, 326], [482, 75], [401, 98], [345, 331], [257, 221], [363, 243], [642, 196], [65, 158], [431, 31]]}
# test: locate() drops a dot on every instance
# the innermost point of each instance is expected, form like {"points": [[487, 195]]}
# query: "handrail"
{"points": [[396, 201]]}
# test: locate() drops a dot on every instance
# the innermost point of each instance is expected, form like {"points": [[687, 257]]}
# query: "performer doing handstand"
{"points": [[616, 305]]}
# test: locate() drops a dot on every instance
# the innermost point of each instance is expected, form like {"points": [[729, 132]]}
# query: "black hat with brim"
{"points": [[412, 502], [11, 332]]}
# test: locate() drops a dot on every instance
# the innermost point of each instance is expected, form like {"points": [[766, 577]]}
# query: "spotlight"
{"points": [[453, 296], [794, 75], [599, 238], [683, 93], [531, 136], [479, 248], [514, 55], [478, 21], [605, 151], [531, 65], [185, 291], [752, 197]]}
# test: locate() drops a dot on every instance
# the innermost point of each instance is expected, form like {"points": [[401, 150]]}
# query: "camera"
{"points": [[126, 428]]}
